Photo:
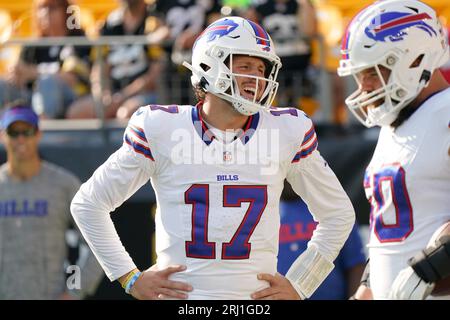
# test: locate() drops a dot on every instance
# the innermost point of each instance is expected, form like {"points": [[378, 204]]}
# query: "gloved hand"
{"points": [[409, 286]]}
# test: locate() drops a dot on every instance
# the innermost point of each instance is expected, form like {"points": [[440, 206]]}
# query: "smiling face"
{"points": [[369, 80], [249, 67]]}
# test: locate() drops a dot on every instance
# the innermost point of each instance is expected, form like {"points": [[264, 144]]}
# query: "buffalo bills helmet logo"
{"points": [[395, 25], [219, 29]]}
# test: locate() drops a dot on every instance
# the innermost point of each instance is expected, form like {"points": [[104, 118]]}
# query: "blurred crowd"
{"points": [[81, 82]]}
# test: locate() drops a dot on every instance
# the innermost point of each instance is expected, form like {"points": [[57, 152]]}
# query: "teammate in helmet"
{"points": [[218, 170], [393, 49], [399, 44]]}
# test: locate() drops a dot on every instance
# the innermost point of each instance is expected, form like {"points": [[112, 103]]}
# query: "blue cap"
{"points": [[19, 113]]}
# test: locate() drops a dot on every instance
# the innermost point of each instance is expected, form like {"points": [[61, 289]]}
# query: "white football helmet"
{"points": [[404, 36], [212, 59]]}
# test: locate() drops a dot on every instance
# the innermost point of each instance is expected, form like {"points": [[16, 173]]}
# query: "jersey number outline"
{"points": [[239, 246], [404, 224], [277, 113], [173, 108]]}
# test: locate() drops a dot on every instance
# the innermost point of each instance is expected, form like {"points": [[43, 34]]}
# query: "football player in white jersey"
{"points": [[394, 49], [217, 169]]}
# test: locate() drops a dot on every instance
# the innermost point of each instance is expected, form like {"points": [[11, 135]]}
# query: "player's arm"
{"points": [[425, 269], [111, 184], [313, 180], [353, 278], [364, 292]]}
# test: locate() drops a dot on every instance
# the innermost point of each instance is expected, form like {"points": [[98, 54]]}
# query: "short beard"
{"points": [[199, 92], [404, 115]]}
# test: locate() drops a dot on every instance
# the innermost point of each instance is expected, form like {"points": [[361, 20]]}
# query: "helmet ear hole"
{"points": [[417, 62], [227, 62], [205, 67]]}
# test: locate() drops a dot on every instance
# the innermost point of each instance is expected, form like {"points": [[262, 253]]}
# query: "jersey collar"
{"points": [[207, 136]]}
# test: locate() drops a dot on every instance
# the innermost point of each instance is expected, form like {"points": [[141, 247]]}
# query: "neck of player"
{"points": [[24, 169], [437, 83], [221, 115]]}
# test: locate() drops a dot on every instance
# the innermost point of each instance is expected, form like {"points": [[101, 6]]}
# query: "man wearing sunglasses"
{"points": [[35, 196]]}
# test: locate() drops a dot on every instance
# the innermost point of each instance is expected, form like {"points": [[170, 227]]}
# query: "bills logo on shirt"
{"points": [[227, 177], [227, 157]]}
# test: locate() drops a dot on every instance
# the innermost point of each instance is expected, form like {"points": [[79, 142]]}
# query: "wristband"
{"points": [[131, 282], [127, 279], [308, 271]]}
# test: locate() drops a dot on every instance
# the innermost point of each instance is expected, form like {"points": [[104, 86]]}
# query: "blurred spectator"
{"points": [[291, 24], [133, 70], [51, 77], [297, 226], [34, 218], [214, 13], [233, 7], [236, 4], [185, 19]]}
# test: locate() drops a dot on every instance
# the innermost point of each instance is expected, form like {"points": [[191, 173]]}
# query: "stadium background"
{"points": [[81, 146]]}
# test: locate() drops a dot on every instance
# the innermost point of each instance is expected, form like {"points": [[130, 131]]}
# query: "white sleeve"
{"points": [[112, 183], [314, 181]]}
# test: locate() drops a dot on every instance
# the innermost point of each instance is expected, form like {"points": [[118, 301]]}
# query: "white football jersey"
{"points": [[217, 203], [408, 185]]}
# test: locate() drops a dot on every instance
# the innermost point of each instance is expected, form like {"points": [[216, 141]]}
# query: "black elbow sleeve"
{"points": [[433, 264]]}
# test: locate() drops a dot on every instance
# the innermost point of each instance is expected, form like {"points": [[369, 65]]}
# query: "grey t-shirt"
{"points": [[34, 218]]}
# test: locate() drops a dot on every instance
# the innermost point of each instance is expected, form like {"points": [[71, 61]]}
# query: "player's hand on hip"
{"points": [[154, 284], [280, 288], [362, 293], [409, 286]]}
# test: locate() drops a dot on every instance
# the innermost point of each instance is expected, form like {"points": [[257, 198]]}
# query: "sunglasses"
{"points": [[16, 133]]}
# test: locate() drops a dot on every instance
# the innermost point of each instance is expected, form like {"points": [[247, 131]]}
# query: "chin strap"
{"points": [[308, 272]]}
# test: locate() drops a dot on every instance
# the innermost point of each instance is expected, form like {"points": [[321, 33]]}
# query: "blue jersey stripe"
{"points": [[139, 148], [308, 135], [304, 153], [308, 151], [138, 131]]}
